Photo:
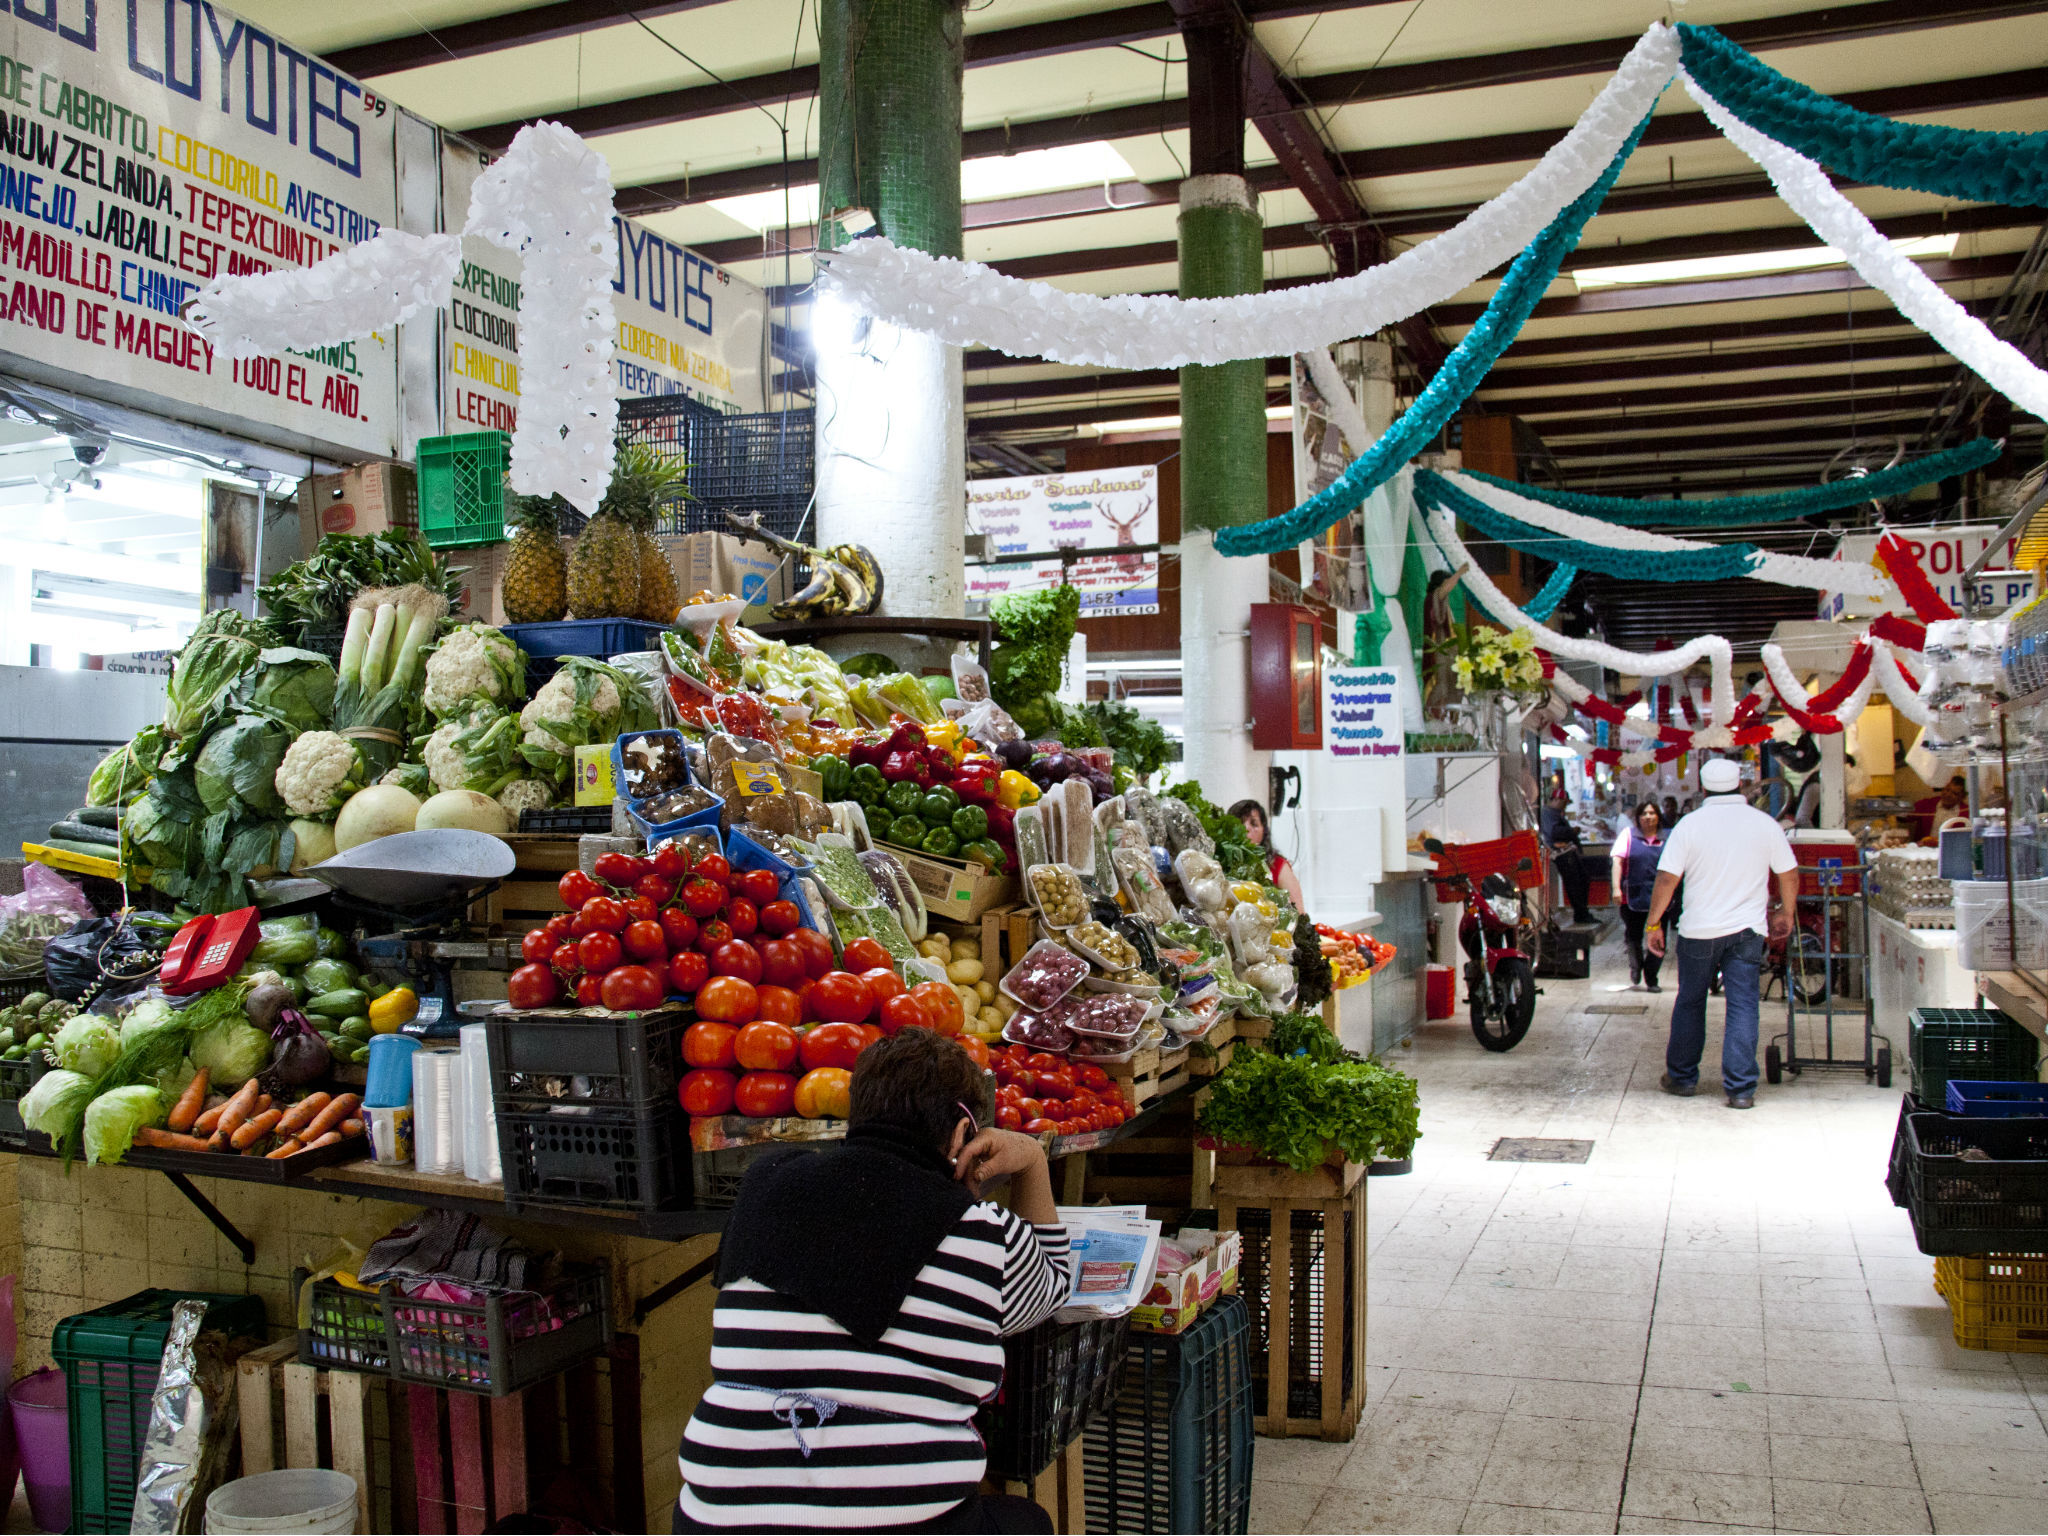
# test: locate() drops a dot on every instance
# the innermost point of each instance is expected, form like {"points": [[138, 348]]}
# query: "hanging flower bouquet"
{"points": [[1491, 661]]}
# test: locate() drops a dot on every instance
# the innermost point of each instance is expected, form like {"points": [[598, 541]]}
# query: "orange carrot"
{"points": [[209, 1118], [301, 1114], [286, 1147], [150, 1136], [238, 1108], [351, 1128], [190, 1102], [217, 1142], [327, 1140], [331, 1117], [252, 1131]]}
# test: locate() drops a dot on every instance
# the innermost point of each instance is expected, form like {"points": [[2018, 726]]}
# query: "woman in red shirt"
{"points": [[1279, 871]]}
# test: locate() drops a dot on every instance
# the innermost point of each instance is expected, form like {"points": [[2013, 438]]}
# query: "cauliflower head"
{"points": [[525, 795], [473, 663], [443, 758], [556, 702], [320, 770]]}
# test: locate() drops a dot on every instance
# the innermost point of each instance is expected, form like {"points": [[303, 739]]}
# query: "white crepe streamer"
{"points": [[1904, 695], [365, 288], [1709, 648], [1785, 570], [437, 1111], [479, 1119], [1805, 186], [965, 302]]}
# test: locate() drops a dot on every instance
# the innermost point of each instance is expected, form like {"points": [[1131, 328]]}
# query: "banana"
{"points": [[844, 579]]}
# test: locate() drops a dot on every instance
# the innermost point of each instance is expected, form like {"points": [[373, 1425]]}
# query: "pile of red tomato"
{"points": [[1038, 1092]]}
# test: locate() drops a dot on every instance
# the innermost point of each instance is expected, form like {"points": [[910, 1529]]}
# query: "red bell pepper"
{"points": [[974, 788], [907, 737], [874, 753]]}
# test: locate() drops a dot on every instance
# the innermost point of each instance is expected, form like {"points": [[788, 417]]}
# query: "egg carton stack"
{"points": [[1909, 888]]}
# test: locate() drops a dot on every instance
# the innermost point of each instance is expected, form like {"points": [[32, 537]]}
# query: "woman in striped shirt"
{"points": [[865, 1292]]}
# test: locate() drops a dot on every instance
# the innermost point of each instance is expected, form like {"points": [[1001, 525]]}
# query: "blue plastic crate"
{"points": [[580, 637], [2002, 1100], [742, 852]]}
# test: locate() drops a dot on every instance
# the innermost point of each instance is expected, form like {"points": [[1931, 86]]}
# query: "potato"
{"points": [[969, 1003], [967, 949], [964, 972], [990, 1019], [985, 990], [938, 947], [1006, 1005]]}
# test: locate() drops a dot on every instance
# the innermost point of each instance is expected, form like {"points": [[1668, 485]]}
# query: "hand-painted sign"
{"points": [[1095, 509]]}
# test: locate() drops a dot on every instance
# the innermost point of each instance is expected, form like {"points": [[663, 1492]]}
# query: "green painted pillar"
{"points": [[892, 427], [889, 118], [1222, 408]]}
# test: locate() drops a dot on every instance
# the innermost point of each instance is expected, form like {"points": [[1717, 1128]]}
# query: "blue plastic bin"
{"points": [[580, 637], [2002, 1100], [742, 852]]}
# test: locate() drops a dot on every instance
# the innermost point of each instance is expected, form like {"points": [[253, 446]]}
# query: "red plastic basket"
{"points": [[1828, 868], [1519, 857]]}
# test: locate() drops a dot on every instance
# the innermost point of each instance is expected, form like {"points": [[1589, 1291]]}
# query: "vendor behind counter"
{"points": [[865, 1292]]}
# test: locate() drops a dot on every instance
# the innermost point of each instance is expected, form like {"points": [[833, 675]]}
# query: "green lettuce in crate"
{"points": [[1295, 1109]]}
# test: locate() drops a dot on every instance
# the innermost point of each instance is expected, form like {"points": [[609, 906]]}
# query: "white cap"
{"points": [[1720, 776]]}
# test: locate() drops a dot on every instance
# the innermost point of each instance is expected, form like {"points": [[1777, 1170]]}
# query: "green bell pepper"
{"points": [[868, 777], [969, 823], [938, 806], [836, 774], [908, 831], [941, 842], [904, 798], [983, 852]]}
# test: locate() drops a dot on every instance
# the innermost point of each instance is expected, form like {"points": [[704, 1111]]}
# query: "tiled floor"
{"points": [[1718, 1323]]}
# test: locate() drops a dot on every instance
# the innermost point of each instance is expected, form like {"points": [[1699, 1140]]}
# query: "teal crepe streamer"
{"points": [[1721, 562], [1743, 511], [1976, 167], [1532, 273], [1544, 603]]}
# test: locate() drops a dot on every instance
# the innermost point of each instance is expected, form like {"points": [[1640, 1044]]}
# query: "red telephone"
{"points": [[208, 950]]}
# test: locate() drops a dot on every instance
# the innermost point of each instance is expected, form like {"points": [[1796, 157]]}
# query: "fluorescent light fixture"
{"points": [[1748, 265], [1035, 170], [1171, 423]]}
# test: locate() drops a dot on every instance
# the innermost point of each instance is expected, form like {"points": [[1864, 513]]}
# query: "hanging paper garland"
{"points": [[367, 287], [966, 303], [1903, 633], [1630, 553], [1520, 291], [1746, 511], [1896, 560], [1975, 167]]}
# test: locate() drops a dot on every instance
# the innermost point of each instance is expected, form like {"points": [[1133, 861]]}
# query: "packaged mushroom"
{"points": [[1139, 878], [1104, 945], [1057, 893]]}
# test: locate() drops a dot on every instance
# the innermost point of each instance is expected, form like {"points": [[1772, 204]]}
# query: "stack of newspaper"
{"points": [[1113, 1251]]}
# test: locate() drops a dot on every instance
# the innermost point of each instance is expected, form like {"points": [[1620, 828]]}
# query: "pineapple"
{"points": [[536, 584], [616, 569]]}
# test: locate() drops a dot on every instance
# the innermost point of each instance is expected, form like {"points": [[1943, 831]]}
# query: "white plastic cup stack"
{"points": [[437, 1111]]}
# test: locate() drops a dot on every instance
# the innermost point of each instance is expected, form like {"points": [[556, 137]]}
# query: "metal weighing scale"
{"points": [[413, 891]]}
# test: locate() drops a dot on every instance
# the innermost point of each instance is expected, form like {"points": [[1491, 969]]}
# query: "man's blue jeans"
{"points": [[1740, 957]]}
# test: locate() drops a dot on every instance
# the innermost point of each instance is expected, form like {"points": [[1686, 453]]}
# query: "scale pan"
{"points": [[412, 869]]}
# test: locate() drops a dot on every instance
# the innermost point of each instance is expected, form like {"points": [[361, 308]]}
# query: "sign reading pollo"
{"points": [[1944, 554]]}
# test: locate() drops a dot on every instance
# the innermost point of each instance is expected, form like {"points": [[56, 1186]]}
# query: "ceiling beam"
{"points": [[989, 425], [1716, 333], [1559, 427], [1748, 437], [1871, 387], [1681, 364], [1081, 384]]}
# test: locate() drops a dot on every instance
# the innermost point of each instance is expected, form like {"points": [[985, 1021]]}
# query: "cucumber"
{"points": [[340, 1003], [97, 816], [79, 832], [89, 850]]}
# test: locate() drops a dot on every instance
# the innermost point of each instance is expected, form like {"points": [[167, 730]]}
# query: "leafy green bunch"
{"points": [[310, 600], [1298, 1033], [1295, 1109], [1241, 858], [1035, 630], [1140, 743]]}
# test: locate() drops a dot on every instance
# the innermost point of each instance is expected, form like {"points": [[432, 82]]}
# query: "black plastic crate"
{"points": [[14, 988], [571, 818], [16, 1078], [1056, 1378], [758, 462], [1981, 1043], [630, 1061], [717, 1176], [630, 1159], [493, 1346], [1173, 1452], [1895, 1170], [1565, 952], [1977, 1185]]}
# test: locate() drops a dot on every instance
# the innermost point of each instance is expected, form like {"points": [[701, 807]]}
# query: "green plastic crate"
{"points": [[111, 1358], [462, 488], [1983, 1044]]}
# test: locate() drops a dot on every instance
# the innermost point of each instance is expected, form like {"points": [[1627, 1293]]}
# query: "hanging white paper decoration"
{"points": [[364, 288]]}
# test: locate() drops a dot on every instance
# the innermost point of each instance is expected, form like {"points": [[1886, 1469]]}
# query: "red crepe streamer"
{"points": [[1902, 632], [1752, 735], [1896, 560]]}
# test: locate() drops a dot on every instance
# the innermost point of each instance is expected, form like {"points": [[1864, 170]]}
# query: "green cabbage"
{"points": [[223, 650], [232, 1051], [160, 833], [238, 765], [56, 1104], [112, 1120], [125, 772], [294, 686], [150, 1013], [286, 941], [87, 1043]]}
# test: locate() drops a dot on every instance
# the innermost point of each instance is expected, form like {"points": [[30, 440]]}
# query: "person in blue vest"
{"points": [[1636, 853]]}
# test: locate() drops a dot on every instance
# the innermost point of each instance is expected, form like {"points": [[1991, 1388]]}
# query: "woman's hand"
{"points": [[993, 1153]]}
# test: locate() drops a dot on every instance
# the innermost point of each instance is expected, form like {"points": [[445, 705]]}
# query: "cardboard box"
{"points": [[483, 581], [1178, 1298], [955, 888], [720, 562], [370, 498]]}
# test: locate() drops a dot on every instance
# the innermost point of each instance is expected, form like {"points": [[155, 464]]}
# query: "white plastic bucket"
{"points": [[296, 1499]]}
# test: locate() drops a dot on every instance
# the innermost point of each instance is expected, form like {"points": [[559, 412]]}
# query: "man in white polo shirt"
{"points": [[1726, 853]]}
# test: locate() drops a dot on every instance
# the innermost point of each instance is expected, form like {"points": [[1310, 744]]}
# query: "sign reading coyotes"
{"points": [[1094, 509], [147, 148], [686, 326]]}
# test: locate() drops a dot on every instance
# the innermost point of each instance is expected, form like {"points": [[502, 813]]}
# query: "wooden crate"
{"points": [[1058, 1491], [1149, 1074], [1253, 1029], [429, 1460], [1309, 1228], [528, 897], [1213, 1052]]}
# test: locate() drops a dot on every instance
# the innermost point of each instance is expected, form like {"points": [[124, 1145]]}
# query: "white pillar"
{"points": [[892, 457], [1216, 597]]}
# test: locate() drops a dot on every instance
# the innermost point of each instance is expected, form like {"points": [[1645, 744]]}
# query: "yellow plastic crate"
{"points": [[1997, 1300], [76, 863]]}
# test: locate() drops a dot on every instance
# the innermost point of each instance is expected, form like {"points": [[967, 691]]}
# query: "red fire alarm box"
{"points": [[1286, 678]]}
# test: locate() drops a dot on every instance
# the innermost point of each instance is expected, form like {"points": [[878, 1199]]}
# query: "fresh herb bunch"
{"points": [[1241, 858], [1311, 966], [1035, 630], [1296, 1033], [1295, 1109], [1140, 743], [310, 600]]}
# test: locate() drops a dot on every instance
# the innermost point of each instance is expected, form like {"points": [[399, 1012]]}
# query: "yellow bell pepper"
{"points": [[392, 1011], [1015, 789], [945, 736]]}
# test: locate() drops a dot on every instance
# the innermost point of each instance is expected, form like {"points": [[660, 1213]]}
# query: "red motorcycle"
{"points": [[1500, 976]]}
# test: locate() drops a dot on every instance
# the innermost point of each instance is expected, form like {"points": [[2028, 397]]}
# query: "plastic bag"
{"points": [[48, 904], [104, 952]]}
